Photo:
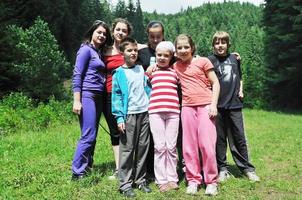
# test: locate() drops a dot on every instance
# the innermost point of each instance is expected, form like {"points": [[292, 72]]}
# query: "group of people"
{"points": [[152, 94]]}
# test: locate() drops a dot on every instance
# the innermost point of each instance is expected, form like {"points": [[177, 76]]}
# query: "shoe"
{"points": [[192, 189], [114, 176], [252, 176], [129, 193], [76, 177], [144, 188], [173, 185], [211, 190], [223, 176], [164, 187]]}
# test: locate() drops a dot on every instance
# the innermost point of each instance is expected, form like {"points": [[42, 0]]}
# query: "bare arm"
{"points": [[216, 89], [240, 94]]}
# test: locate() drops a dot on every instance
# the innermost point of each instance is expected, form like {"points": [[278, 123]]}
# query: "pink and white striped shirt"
{"points": [[164, 97]]}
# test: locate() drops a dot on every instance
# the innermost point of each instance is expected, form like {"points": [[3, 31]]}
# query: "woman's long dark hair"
{"points": [[88, 35]]}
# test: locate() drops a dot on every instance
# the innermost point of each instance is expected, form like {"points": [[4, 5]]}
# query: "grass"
{"points": [[36, 165]]}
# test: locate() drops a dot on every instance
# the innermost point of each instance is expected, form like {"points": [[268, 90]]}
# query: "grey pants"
{"points": [[229, 126], [134, 145]]}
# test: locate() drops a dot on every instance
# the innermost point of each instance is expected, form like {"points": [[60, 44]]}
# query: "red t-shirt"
{"points": [[112, 62], [195, 85]]}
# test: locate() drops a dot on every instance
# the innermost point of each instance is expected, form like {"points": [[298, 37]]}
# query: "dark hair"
{"points": [[187, 37], [126, 41], [94, 26], [124, 21], [155, 24]]}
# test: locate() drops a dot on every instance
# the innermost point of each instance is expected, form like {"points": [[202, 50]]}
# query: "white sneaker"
{"points": [[252, 176], [223, 176], [192, 189], [114, 176], [211, 190]]}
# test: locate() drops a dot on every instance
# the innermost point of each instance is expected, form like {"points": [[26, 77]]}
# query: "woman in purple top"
{"points": [[88, 86]]}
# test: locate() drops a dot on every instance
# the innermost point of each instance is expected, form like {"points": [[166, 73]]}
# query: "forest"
{"points": [[39, 40]]}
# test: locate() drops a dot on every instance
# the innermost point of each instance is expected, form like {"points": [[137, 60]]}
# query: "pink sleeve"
{"points": [[206, 64]]}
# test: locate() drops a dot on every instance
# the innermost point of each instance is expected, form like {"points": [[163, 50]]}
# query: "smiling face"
{"points": [[98, 37], [130, 54], [184, 50], [163, 57], [220, 47], [120, 31], [155, 36]]}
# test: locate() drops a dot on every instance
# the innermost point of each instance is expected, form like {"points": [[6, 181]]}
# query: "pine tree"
{"points": [[283, 49]]}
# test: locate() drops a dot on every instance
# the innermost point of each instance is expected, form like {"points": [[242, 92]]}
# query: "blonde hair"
{"points": [[221, 35]]}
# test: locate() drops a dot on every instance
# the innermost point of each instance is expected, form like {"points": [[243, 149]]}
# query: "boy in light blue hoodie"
{"points": [[130, 100]]}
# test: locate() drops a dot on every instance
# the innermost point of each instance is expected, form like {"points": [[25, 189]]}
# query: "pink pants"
{"points": [[199, 134], [164, 128]]}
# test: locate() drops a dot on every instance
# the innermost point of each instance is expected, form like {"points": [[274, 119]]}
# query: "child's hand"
{"points": [[121, 127], [240, 95], [151, 69], [237, 55], [212, 111]]}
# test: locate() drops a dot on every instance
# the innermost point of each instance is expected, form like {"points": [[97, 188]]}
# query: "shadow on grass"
{"points": [[104, 168], [234, 170]]}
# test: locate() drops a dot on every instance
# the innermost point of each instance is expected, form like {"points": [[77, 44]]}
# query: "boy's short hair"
{"points": [[221, 35], [126, 41]]}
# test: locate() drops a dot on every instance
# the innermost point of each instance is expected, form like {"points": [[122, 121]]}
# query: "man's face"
{"points": [[155, 36]]}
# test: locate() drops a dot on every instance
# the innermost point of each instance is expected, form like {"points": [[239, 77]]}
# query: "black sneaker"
{"points": [[129, 193], [76, 177], [144, 188]]}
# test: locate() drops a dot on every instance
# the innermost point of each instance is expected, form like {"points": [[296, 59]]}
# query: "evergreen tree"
{"points": [[139, 29], [40, 63], [120, 9], [283, 50]]}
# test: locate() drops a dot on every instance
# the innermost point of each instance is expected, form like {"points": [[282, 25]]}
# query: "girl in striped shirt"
{"points": [[164, 117]]}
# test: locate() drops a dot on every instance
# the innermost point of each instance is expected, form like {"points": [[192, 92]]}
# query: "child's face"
{"points": [[220, 47], [163, 57], [184, 50], [130, 54]]}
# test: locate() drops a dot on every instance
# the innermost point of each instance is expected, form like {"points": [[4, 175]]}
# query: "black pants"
{"points": [[229, 125], [111, 121]]}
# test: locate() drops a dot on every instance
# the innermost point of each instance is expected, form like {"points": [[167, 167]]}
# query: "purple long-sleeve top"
{"points": [[88, 73]]}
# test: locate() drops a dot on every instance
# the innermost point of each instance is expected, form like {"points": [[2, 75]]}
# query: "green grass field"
{"points": [[36, 165]]}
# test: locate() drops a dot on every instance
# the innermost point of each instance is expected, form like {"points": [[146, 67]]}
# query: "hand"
{"points": [[121, 127], [212, 111], [237, 55], [240, 95], [151, 69], [77, 107]]}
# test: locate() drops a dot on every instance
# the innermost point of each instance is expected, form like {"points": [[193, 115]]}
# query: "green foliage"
{"points": [[283, 48], [241, 21], [41, 65], [21, 112]]}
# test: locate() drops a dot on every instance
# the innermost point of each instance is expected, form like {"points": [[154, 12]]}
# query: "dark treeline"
{"points": [[268, 39]]}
